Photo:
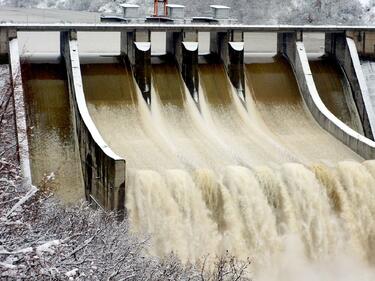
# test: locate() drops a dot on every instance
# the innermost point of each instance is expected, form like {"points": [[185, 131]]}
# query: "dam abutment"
{"points": [[344, 51], [291, 46], [136, 48], [103, 171]]}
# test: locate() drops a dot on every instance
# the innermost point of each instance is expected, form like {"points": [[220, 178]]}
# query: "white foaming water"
{"points": [[285, 220]]}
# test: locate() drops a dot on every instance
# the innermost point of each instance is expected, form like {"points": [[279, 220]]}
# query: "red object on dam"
{"points": [[160, 8]]}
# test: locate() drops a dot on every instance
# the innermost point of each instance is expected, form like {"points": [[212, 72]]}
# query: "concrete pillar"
{"points": [[336, 46], [333, 42], [229, 46], [6, 34], [365, 43], [64, 38], [184, 47], [286, 43], [4, 48], [136, 48]]}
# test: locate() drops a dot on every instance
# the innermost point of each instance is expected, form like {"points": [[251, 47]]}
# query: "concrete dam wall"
{"points": [[135, 51], [207, 153]]}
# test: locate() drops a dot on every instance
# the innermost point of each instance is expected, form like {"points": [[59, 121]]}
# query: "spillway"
{"points": [[178, 117], [222, 108], [258, 179], [54, 154], [276, 94], [335, 92], [122, 116]]}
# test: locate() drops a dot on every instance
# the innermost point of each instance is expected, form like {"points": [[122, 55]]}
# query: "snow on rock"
{"points": [[7, 265], [26, 197], [47, 247], [72, 272]]}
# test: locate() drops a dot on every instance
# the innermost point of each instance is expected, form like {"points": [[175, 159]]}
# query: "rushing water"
{"points": [[281, 106], [53, 152], [261, 180]]}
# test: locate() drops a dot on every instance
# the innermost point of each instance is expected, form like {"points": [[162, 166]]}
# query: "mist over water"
{"points": [[262, 181]]}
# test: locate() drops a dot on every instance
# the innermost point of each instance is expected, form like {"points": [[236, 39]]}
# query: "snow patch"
{"points": [[72, 272], [7, 265], [26, 197], [47, 247]]}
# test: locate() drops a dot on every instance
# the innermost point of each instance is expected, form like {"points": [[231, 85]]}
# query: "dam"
{"points": [[257, 153]]}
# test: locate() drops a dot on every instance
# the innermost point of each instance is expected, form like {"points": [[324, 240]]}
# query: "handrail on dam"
{"points": [[103, 171]]}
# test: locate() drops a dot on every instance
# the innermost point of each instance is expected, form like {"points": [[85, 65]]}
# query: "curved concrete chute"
{"points": [[335, 91], [278, 101], [107, 177], [344, 51], [367, 105], [295, 52]]}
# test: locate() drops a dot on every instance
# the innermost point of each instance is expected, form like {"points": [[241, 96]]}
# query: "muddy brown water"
{"points": [[335, 92], [276, 94], [53, 152]]}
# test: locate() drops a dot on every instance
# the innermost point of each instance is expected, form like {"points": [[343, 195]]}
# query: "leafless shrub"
{"points": [[7, 130], [42, 239]]}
